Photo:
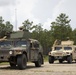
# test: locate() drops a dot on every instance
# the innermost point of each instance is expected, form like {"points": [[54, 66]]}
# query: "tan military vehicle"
{"points": [[19, 49], [63, 50]]}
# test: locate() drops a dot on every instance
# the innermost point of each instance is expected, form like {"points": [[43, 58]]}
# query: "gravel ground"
{"points": [[46, 69]]}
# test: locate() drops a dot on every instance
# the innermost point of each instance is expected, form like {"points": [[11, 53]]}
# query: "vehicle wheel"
{"points": [[39, 62], [69, 59], [51, 59], [12, 64], [60, 61], [22, 61]]}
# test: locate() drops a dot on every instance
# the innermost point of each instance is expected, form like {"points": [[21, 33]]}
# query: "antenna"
{"points": [[16, 19]]}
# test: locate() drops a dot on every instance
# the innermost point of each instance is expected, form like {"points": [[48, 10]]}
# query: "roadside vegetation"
{"points": [[45, 58], [59, 29], [4, 63]]}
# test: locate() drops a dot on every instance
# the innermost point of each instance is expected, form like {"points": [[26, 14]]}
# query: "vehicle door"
{"points": [[34, 50]]}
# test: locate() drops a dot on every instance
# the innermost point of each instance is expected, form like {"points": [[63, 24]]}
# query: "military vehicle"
{"points": [[20, 49], [63, 51]]}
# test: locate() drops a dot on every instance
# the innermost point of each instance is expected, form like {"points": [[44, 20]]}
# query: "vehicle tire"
{"points": [[39, 62], [60, 61], [22, 61], [51, 59], [12, 64], [69, 59]]}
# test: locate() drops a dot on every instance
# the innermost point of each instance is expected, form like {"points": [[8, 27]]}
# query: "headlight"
{"points": [[10, 52], [49, 53]]}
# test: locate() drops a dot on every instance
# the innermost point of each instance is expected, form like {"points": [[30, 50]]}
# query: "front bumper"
{"points": [[6, 54], [60, 57]]}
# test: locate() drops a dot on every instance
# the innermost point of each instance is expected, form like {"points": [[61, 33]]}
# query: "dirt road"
{"points": [[46, 69]]}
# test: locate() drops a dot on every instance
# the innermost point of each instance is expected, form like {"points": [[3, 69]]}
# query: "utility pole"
{"points": [[16, 19]]}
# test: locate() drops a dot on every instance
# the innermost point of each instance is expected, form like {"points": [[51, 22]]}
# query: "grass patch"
{"points": [[45, 58], [4, 63]]}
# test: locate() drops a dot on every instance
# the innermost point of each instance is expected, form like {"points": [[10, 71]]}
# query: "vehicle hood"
{"points": [[13, 48], [18, 48]]}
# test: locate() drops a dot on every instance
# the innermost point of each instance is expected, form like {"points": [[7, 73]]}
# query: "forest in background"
{"points": [[59, 29]]}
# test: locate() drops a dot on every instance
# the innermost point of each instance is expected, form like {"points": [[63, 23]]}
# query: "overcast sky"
{"points": [[38, 11]]}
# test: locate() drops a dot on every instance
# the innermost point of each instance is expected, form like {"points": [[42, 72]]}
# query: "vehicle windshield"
{"points": [[58, 48], [5, 43], [67, 48], [20, 43]]}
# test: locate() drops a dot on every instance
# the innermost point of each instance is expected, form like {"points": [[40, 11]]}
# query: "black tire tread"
{"points": [[22, 61]]}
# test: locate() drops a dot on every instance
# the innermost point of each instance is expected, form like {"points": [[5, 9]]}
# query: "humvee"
{"points": [[63, 51], [20, 49]]}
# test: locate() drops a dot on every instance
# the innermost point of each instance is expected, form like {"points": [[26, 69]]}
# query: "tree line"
{"points": [[59, 29]]}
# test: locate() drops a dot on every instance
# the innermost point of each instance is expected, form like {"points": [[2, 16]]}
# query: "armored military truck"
{"points": [[20, 49], [63, 51]]}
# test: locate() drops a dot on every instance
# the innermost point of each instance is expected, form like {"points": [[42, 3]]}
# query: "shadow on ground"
{"points": [[7, 67], [65, 62]]}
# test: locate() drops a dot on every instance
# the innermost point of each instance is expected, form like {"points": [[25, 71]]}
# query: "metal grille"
{"points": [[4, 52]]}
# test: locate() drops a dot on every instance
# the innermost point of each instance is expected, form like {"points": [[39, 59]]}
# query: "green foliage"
{"points": [[43, 36], [5, 29], [74, 35], [27, 25], [45, 58], [61, 28]]}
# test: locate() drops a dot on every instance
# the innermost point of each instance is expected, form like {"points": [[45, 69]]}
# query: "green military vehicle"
{"points": [[63, 51], [20, 49]]}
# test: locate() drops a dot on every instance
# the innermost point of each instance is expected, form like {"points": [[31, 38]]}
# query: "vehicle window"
{"points": [[5, 43], [58, 48], [67, 48], [20, 43]]}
